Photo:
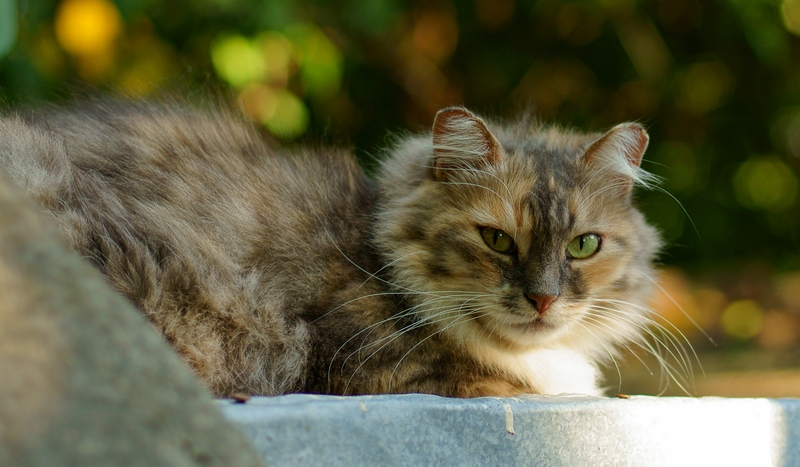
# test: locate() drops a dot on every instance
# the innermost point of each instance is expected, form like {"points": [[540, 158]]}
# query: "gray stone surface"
{"points": [[547, 431], [84, 381]]}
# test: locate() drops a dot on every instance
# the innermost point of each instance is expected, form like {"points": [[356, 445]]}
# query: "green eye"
{"points": [[583, 246], [497, 240]]}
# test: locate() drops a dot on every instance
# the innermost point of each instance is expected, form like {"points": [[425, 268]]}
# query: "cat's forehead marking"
{"points": [[548, 206], [545, 193], [552, 169]]}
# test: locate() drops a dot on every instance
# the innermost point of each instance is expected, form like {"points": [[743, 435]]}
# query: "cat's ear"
{"points": [[620, 152], [461, 142]]}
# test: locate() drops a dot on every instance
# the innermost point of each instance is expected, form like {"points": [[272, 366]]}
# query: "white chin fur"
{"points": [[561, 372]]}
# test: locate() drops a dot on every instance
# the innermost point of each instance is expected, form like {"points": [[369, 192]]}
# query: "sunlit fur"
{"points": [[274, 271]]}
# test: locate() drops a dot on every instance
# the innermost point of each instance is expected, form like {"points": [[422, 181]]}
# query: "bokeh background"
{"points": [[716, 82]]}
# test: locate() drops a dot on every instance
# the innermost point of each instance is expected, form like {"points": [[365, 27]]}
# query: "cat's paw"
{"points": [[492, 387]]}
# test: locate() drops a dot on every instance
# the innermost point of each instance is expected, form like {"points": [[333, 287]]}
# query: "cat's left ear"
{"points": [[461, 143], [620, 151]]}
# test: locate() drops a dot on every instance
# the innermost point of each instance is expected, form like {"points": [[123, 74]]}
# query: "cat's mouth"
{"points": [[536, 324], [522, 330], [529, 332]]}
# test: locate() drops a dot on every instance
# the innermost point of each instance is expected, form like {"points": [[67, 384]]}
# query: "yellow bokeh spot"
{"points": [[87, 27], [290, 116], [790, 14], [278, 52], [238, 61], [742, 319], [766, 183], [258, 101], [321, 61]]}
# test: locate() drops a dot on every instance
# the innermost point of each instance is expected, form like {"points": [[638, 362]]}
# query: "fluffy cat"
{"points": [[484, 259]]}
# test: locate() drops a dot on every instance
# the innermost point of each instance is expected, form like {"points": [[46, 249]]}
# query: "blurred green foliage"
{"points": [[716, 82], [8, 25]]}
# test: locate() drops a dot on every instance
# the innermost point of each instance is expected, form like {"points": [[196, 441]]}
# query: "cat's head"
{"points": [[520, 236]]}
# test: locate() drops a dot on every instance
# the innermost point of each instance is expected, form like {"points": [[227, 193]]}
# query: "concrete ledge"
{"points": [[531, 430]]}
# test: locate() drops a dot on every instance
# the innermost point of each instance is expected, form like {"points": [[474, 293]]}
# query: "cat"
{"points": [[483, 259]]}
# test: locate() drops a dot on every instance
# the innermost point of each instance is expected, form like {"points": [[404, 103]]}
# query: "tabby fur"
{"points": [[274, 270]]}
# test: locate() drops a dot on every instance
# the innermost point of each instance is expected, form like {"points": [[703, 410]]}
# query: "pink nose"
{"points": [[541, 302]]}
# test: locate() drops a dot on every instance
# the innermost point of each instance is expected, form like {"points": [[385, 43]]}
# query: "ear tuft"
{"points": [[620, 150], [461, 141]]}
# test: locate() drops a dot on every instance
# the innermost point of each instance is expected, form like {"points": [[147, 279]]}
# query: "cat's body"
{"points": [[272, 272]]}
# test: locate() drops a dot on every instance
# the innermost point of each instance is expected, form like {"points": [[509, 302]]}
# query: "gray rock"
{"points": [[570, 431], [83, 378]]}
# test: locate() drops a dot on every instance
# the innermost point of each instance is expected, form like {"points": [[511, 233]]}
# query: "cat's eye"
{"points": [[583, 246], [497, 240]]}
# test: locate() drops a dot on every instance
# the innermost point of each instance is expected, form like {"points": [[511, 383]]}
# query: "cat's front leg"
{"points": [[492, 387]]}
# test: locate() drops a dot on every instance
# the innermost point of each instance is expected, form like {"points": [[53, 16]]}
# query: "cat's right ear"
{"points": [[620, 152], [461, 143]]}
